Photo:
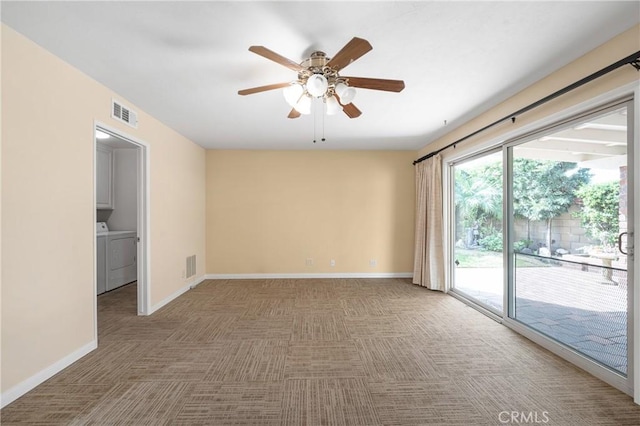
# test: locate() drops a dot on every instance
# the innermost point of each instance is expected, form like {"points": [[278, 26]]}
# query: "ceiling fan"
{"points": [[318, 77]]}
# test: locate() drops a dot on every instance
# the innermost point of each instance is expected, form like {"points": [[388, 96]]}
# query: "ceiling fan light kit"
{"points": [[304, 105], [346, 93], [317, 85], [332, 105], [292, 93], [318, 77]]}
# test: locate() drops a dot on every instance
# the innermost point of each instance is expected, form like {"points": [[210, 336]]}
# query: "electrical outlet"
{"points": [[184, 273], [332, 262], [373, 263], [309, 262]]}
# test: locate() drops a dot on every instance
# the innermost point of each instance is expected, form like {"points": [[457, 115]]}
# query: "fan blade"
{"points": [[262, 88], [273, 56], [349, 53], [375, 84], [351, 110], [293, 114]]}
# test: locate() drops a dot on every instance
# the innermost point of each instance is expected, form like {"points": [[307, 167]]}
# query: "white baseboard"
{"points": [[25, 386], [177, 293], [309, 275], [197, 281]]}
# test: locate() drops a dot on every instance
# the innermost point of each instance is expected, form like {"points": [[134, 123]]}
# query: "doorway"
{"points": [[121, 167]]}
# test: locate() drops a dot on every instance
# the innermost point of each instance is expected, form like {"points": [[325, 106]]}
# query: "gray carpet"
{"points": [[315, 352]]}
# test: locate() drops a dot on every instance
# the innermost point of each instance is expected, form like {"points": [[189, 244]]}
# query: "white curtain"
{"points": [[428, 264]]}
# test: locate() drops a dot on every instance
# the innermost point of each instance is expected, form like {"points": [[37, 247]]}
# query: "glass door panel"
{"points": [[569, 205], [477, 252]]}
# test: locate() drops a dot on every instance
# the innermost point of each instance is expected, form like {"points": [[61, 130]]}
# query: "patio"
{"points": [[580, 307]]}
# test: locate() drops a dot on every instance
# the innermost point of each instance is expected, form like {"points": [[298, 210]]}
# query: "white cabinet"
{"points": [[104, 177]]}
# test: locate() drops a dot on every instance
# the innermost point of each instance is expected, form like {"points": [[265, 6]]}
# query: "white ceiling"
{"points": [[183, 62]]}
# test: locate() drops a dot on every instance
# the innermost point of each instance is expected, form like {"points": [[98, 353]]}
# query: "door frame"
{"points": [[143, 220], [635, 337], [450, 223], [453, 156]]}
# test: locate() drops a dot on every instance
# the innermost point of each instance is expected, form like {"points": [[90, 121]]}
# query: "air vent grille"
{"points": [[191, 266], [117, 110], [124, 114]]}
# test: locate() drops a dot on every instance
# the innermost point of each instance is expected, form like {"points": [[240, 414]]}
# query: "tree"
{"points": [[544, 189], [599, 212], [478, 197]]}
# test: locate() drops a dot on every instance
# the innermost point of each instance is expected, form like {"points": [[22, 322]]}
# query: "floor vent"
{"points": [[124, 114], [191, 266]]}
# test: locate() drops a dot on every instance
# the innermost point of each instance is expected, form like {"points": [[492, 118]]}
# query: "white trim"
{"points": [[144, 223], [170, 298], [309, 275], [94, 239], [636, 258], [197, 282], [26, 385], [144, 217]]}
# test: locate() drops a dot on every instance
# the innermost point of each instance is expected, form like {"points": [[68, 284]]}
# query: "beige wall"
{"points": [[48, 293], [268, 211], [619, 47]]}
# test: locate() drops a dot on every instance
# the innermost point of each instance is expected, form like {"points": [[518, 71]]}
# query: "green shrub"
{"points": [[491, 242], [521, 245]]}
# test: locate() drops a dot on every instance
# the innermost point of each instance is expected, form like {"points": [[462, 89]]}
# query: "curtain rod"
{"points": [[631, 60]]}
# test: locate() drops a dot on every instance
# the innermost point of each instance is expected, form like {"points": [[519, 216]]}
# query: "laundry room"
{"points": [[116, 212]]}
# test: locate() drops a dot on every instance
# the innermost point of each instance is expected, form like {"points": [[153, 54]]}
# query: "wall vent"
{"points": [[124, 114], [191, 266]]}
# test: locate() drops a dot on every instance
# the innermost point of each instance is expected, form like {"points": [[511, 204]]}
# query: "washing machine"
{"points": [[117, 258]]}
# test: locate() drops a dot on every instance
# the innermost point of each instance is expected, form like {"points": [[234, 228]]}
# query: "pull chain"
{"points": [[323, 114], [317, 107], [314, 111]]}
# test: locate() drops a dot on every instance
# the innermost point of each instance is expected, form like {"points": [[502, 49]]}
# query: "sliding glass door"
{"points": [[541, 235], [570, 200], [477, 209]]}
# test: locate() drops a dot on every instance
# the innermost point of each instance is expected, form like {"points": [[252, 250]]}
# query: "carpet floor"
{"points": [[315, 352]]}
